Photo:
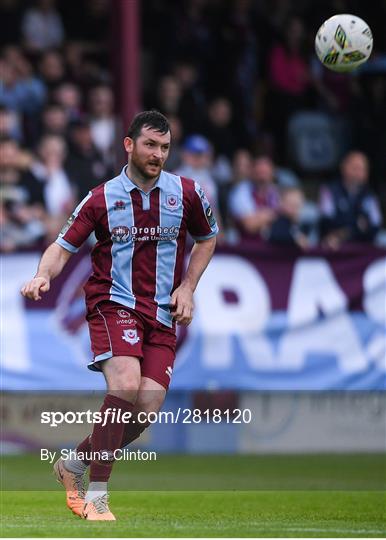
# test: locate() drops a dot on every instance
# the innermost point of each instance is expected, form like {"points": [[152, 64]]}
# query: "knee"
{"points": [[123, 379], [123, 383], [149, 400], [129, 384]]}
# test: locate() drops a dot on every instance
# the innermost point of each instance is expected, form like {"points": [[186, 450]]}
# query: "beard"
{"points": [[140, 165]]}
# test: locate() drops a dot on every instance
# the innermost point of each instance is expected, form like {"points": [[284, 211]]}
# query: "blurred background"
{"points": [[293, 160]]}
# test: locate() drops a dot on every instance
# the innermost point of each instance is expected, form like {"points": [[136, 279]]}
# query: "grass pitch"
{"points": [[299, 496]]}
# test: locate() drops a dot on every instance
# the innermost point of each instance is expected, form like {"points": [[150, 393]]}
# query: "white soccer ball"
{"points": [[343, 42]]}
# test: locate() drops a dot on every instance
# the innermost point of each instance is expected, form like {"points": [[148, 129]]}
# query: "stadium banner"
{"points": [[266, 318]]}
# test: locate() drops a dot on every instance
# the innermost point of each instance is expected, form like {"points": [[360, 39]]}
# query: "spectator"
{"points": [[192, 105], [288, 229], [253, 203], [58, 193], [369, 119], [22, 203], [288, 70], [42, 26], [174, 159], [349, 210], [290, 81], [80, 69], [55, 120], [20, 90], [52, 69], [85, 165], [241, 171], [219, 128], [10, 124], [14, 175], [69, 96], [196, 164], [169, 95], [242, 166], [102, 120]]}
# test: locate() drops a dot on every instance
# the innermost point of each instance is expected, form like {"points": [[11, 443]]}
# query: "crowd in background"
{"points": [[287, 151]]}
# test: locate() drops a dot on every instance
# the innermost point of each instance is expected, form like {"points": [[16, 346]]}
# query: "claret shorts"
{"points": [[116, 330]]}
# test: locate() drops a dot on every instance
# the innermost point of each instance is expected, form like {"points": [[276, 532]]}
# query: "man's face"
{"points": [[292, 203], [355, 170], [55, 119], [263, 171], [197, 160], [9, 154], [148, 152]]}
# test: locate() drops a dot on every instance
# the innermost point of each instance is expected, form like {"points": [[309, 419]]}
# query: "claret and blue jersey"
{"points": [[138, 258]]}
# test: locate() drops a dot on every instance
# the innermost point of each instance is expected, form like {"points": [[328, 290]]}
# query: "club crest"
{"points": [[172, 201], [130, 336]]}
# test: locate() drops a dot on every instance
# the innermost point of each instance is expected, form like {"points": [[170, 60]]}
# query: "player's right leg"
{"points": [[123, 377]]}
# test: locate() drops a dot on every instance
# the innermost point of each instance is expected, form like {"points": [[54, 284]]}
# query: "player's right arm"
{"points": [[77, 229], [51, 264]]}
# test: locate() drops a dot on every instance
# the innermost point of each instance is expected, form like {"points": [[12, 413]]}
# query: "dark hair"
{"points": [[5, 139], [152, 119]]}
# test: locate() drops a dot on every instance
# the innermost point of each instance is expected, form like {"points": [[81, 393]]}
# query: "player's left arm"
{"points": [[182, 297]]}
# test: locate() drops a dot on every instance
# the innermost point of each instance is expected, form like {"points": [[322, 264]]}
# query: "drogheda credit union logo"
{"points": [[123, 234]]}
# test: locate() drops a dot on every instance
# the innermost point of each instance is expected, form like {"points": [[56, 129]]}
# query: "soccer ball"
{"points": [[343, 42]]}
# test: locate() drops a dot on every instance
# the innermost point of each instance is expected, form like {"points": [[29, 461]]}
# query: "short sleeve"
{"points": [[79, 225], [201, 223]]}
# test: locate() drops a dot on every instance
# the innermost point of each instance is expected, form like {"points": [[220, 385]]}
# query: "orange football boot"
{"points": [[74, 486], [98, 510]]}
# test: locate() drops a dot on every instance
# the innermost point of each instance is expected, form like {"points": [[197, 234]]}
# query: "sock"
{"points": [[85, 448], [76, 466], [132, 431], [107, 438], [95, 489]]}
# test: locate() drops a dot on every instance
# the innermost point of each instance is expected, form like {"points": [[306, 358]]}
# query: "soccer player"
{"points": [[135, 295]]}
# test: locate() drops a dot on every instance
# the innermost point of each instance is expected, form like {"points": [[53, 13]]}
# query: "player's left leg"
{"points": [[151, 396], [156, 371]]}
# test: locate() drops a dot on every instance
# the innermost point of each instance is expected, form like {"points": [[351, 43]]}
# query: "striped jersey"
{"points": [[138, 258]]}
